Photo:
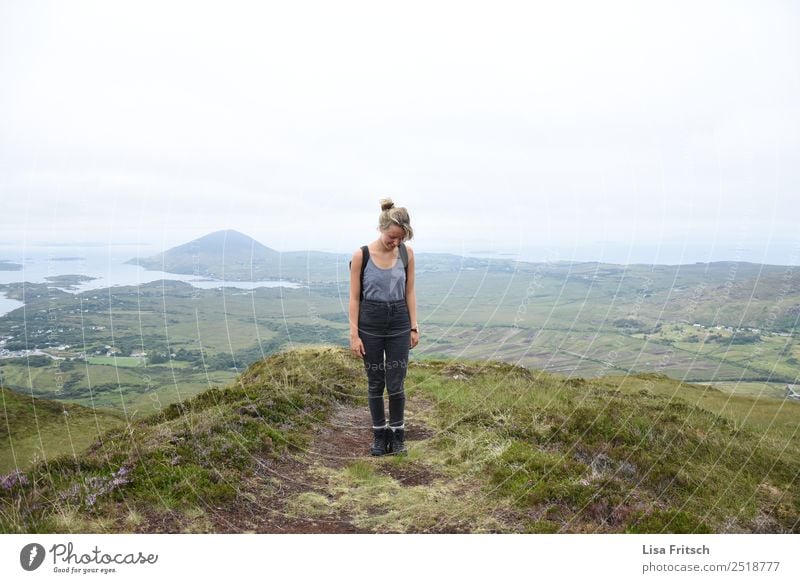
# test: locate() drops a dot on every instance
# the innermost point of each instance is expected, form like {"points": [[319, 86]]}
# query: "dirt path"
{"points": [[261, 506]]}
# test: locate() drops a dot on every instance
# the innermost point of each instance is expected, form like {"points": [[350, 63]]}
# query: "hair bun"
{"points": [[386, 204]]}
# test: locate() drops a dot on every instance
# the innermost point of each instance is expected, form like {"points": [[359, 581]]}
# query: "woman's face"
{"points": [[393, 236]]}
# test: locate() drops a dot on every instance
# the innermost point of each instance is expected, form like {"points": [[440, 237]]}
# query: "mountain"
{"points": [[225, 254], [493, 447], [229, 244], [233, 256]]}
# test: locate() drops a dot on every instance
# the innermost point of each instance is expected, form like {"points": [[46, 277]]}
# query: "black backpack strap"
{"points": [[404, 257], [364, 257]]}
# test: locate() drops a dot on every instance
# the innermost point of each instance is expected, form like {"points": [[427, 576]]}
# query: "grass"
{"points": [[510, 450], [131, 390], [187, 456], [120, 361], [33, 429], [584, 455]]}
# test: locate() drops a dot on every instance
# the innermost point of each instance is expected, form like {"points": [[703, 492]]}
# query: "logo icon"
{"points": [[31, 556]]}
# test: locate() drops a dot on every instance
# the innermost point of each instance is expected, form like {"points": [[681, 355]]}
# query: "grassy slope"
{"points": [[531, 450], [35, 429]]}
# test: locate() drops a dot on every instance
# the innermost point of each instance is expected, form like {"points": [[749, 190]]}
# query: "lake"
{"points": [[106, 263]]}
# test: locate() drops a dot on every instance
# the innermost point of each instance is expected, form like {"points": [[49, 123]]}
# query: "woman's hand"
{"points": [[357, 347], [414, 338]]}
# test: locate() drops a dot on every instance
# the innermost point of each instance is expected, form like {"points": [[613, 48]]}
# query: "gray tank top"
{"points": [[385, 285]]}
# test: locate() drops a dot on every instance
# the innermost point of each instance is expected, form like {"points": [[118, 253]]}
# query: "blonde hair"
{"points": [[392, 215]]}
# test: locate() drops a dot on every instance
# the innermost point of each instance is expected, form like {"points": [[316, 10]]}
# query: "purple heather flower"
{"points": [[14, 478]]}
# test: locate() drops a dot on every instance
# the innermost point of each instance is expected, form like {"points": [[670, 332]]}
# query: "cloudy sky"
{"points": [[631, 127]]}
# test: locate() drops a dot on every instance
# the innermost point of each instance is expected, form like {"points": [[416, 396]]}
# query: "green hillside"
{"points": [[135, 348], [33, 429], [493, 447]]}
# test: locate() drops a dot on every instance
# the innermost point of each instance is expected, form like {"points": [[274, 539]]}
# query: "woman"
{"points": [[383, 322]]}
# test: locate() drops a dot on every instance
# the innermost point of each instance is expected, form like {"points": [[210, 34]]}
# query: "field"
{"points": [[693, 323]]}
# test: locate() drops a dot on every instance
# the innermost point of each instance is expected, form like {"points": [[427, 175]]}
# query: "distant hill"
{"points": [[229, 254], [234, 256], [6, 265], [32, 428], [228, 243], [493, 447]]}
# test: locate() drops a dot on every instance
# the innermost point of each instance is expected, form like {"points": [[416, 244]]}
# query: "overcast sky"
{"points": [[500, 126]]}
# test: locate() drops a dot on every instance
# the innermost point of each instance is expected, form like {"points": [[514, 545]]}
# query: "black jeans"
{"points": [[385, 331]]}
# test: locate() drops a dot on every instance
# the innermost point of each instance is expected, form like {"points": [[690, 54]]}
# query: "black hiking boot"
{"points": [[379, 444], [398, 440], [387, 441]]}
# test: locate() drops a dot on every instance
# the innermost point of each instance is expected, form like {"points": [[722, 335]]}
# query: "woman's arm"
{"points": [[411, 292], [355, 298]]}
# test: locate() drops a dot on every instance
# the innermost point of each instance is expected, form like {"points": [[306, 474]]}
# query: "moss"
{"points": [[183, 485], [530, 476], [361, 471], [309, 504]]}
